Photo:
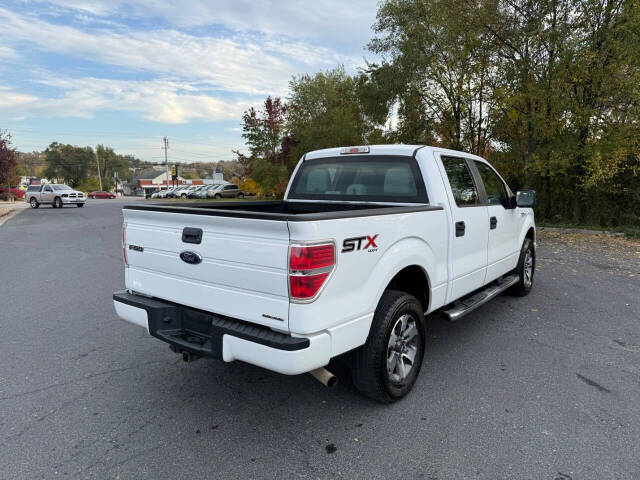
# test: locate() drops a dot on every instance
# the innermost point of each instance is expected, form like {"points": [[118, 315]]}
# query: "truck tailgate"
{"points": [[243, 272]]}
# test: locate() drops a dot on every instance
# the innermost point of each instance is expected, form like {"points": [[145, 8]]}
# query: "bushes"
{"points": [[7, 193]]}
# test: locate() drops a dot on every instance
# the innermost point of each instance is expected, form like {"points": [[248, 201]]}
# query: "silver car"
{"points": [[228, 191], [55, 195], [211, 193]]}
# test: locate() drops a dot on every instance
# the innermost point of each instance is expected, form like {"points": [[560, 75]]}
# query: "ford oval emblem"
{"points": [[191, 257]]}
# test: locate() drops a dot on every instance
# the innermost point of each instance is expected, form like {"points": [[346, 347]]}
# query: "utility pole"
{"points": [[166, 162], [99, 176]]}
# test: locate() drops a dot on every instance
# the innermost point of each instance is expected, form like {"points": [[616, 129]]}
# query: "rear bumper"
{"points": [[214, 336]]}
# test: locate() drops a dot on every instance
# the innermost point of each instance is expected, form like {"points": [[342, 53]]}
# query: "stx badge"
{"points": [[355, 243]]}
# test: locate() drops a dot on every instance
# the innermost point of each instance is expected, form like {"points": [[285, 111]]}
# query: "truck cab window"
{"points": [[496, 190], [360, 178], [461, 181]]}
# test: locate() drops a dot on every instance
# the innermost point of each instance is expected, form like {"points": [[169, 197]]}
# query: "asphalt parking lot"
{"points": [[541, 387]]}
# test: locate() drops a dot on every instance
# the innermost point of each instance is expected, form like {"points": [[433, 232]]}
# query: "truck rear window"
{"points": [[360, 178]]}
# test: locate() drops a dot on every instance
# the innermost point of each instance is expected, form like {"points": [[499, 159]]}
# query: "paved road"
{"points": [[543, 387]]}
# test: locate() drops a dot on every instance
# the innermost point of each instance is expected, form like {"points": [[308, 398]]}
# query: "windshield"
{"points": [[360, 178], [61, 187]]}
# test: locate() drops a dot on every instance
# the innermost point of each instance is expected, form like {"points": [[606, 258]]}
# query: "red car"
{"points": [[101, 195]]}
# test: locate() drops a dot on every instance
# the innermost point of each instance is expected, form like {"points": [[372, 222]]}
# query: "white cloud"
{"points": [[10, 99], [159, 101], [170, 62], [342, 24], [7, 53], [242, 64]]}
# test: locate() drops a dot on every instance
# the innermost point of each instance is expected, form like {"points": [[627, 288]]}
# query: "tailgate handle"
{"points": [[192, 235]]}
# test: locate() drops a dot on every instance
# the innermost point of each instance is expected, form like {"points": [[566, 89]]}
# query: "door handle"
{"points": [[493, 223], [460, 228]]}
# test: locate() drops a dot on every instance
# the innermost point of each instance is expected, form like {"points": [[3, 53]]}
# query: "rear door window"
{"points": [[463, 187], [360, 178]]}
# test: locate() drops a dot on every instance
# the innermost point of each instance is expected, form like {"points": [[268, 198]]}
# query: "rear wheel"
{"points": [[57, 202], [217, 196], [386, 367], [34, 203], [241, 195], [525, 269]]}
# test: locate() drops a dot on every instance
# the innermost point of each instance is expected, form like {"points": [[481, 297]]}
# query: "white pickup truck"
{"points": [[366, 243]]}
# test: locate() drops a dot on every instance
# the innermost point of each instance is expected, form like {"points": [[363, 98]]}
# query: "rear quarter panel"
{"points": [[360, 276]]}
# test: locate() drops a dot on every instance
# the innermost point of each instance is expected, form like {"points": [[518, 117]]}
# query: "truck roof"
{"points": [[394, 149]]}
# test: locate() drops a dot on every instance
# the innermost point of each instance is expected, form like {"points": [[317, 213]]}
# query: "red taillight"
{"points": [[308, 258], [306, 286], [124, 244], [309, 268]]}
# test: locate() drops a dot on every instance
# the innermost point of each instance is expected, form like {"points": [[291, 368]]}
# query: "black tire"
{"points": [[80, 205], [217, 196], [241, 195], [33, 202], [57, 202], [525, 282], [370, 373]]}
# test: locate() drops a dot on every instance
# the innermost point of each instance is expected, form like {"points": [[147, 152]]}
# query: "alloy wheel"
{"points": [[402, 348]]}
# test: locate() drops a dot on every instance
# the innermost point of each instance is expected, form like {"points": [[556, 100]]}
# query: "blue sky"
{"points": [[127, 73]]}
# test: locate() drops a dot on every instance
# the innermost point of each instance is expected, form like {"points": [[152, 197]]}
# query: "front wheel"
{"points": [[525, 269], [80, 205], [57, 202], [217, 196], [241, 195], [386, 367], [34, 203]]}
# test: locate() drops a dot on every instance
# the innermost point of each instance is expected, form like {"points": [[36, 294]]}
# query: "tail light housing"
{"points": [[309, 269], [124, 244]]}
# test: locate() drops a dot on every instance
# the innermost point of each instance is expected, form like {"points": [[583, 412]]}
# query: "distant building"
{"points": [[216, 178], [155, 180]]}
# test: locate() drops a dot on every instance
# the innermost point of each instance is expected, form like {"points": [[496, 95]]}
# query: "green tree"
{"points": [[8, 163], [546, 89], [69, 163], [110, 165], [264, 133], [437, 68], [330, 109]]}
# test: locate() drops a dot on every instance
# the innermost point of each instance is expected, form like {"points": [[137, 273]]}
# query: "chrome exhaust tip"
{"points": [[325, 377]]}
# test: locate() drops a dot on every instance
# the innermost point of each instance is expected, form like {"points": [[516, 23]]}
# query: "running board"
{"points": [[469, 303]]}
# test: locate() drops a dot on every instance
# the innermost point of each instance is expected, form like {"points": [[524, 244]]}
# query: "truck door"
{"points": [[46, 195], [505, 223], [469, 229]]}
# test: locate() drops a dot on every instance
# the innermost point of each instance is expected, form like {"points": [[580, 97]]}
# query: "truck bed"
{"points": [[283, 210]]}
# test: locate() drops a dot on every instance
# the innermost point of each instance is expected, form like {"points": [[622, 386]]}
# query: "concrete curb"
{"points": [[582, 231], [12, 212]]}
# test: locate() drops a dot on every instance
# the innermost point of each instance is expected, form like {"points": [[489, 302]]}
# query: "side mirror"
{"points": [[526, 198]]}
